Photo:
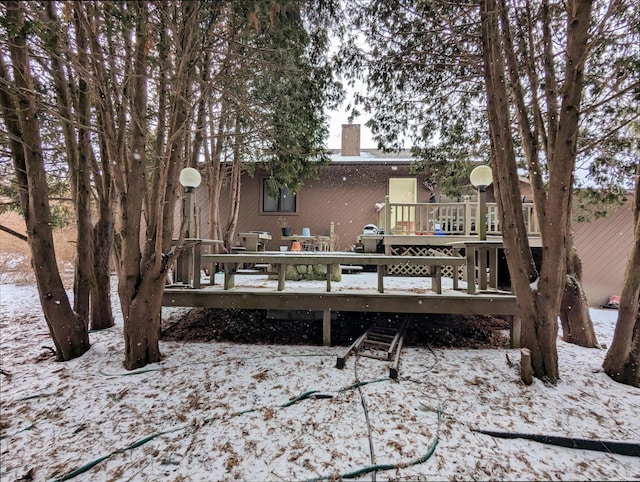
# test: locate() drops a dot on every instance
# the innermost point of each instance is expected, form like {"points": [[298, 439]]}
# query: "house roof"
{"points": [[372, 156]]}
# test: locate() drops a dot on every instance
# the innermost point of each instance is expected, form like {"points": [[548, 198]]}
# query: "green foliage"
{"points": [[270, 83], [293, 87], [421, 65], [451, 177], [419, 84], [596, 203]]}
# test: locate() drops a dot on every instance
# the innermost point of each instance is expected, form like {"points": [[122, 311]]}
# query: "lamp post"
{"points": [[481, 177], [190, 179]]}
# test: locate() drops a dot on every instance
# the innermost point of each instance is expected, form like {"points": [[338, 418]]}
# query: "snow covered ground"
{"points": [[223, 411]]}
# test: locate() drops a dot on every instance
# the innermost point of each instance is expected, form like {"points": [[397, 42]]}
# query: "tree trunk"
{"points": [[234, 188], [539, 306], [538, 324], [142, 324], [139, 333], [103, 231], [67, 330], [216, 174], [74, 115], [143, 274], [577, 327], [622, 362], [84, 278], [574, 310], [101, 312]]}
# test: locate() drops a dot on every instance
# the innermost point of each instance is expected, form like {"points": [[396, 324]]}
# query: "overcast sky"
{"points": [[337, 118]]}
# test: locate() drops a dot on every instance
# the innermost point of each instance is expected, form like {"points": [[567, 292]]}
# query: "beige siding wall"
{"points": [[604, 246], [345, 195]]}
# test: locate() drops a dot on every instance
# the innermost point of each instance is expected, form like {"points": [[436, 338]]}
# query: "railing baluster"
{"points": [[452, 218]]}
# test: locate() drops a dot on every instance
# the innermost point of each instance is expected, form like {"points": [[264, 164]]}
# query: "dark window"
{"points": [[285, 202]]}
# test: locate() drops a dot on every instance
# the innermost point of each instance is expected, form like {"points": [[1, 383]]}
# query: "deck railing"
{"points": [[446, 218]]}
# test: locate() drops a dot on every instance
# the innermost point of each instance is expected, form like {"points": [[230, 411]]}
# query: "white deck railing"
{"points": [[446, 218]]}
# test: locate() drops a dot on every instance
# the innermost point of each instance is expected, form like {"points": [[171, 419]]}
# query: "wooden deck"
{"points": [[365, 300], [266, 294]]}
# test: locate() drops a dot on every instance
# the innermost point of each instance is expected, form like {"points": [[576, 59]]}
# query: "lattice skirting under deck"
{"points": [[403, 270]]}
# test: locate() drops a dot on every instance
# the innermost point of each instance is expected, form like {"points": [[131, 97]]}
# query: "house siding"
{"points": [[345, 195], [604, 246]]}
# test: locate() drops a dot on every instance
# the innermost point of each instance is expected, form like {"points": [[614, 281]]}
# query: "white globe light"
{"points": [[481, 176], [190, 177]]}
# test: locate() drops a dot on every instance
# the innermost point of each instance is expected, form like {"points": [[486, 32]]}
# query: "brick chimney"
{"points": [[350, 140]]}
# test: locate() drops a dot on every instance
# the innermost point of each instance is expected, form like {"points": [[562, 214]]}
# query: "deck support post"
{"points": [[436, 278], [282, 269], [326, 327], [515, 331], [381, 272], [470, 254], [229, 270]]}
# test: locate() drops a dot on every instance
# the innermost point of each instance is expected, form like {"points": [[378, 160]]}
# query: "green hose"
{"points": [[90, 465], [374, 468], [298, 398], [360, 384], [148, 438], [126, 374]]}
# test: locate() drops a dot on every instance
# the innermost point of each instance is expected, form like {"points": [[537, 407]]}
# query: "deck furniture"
{"points": [[310, 243], [255, 241], [279, 260]]}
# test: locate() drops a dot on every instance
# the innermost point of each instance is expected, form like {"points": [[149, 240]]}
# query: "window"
{"points": [[285, 202]]}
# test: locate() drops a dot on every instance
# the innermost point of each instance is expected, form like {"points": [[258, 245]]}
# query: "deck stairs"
{"points": [[382, 341]]}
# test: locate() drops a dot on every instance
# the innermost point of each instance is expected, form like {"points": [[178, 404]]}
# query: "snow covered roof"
{"points": [[373, 156]]}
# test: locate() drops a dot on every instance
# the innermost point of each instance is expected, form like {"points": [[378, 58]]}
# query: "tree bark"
{"points": [[538, 331], [103, 230], [101, 312], [144, 267], [577, 327], [216, 173], [72, 98], [84, 281], [68, 331], [622, 362], [539, 306], [234, 188], [142, 324], [141, 327], [574, 310]]}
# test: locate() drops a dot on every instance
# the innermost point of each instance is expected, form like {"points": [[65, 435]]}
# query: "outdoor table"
{"points": [[281, 259], [308, 239]]}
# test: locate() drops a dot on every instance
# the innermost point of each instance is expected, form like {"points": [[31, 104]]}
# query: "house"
{"points": [[348, 194], [351, 193]]}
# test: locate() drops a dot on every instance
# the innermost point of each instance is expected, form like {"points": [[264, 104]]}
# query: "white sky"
{"points": [[339, 117]]}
